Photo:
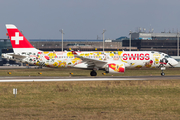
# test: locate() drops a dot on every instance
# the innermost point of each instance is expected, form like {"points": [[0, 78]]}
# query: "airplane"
{"points": [[109, 61]]}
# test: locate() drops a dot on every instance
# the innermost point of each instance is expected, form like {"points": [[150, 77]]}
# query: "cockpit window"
{"points": [[167, 56]]}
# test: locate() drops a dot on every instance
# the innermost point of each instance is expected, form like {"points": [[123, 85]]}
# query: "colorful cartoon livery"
{"points": [[109, 61]]}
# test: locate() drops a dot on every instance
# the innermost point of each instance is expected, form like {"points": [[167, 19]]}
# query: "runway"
{"points": [[78, 78], [62, 80]]}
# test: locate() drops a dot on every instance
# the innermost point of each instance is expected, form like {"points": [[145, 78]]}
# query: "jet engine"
{"points": [[115, 68]]}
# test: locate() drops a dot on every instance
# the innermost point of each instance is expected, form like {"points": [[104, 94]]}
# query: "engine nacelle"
{"points": [[115, 68]]}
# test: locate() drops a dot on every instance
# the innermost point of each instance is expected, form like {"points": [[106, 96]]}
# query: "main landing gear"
{"points": [[93, 73]]}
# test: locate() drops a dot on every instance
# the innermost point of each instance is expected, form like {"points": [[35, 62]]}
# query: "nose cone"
{"points": [[173, 62]]}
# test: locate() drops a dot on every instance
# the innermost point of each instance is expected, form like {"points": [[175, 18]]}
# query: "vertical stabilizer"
{"points": [[19, 42]]}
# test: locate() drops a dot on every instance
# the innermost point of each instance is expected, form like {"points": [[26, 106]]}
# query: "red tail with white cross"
{"points": [[18, 41]]}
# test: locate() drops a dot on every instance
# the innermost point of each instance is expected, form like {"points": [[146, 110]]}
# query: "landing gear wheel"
{"points": [[93, 73], [162, 74]]}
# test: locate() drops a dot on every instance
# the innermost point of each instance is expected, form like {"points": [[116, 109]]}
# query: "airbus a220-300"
{"points": [[109, 61]]}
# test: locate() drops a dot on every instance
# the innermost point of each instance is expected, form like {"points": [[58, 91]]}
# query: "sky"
{"points": [[86, 19]]}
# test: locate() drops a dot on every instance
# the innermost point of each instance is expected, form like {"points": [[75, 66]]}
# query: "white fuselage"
{"points": [[132, 59]]}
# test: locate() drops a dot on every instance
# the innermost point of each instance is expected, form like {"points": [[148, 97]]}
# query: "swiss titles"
{"points": [[138, 56]]}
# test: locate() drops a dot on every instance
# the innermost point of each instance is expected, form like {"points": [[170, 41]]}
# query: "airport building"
{"points": [[163, 42], [153, 36]]}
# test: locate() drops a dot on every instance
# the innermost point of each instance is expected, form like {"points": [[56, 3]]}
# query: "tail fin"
{"points": [[19, 42]]}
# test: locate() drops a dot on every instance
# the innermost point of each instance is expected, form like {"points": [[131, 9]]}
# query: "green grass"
{"points": [[79, 72], [91, 100]]}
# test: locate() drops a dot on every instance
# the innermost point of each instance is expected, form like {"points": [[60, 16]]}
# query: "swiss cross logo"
{"points": [[17, 38]]}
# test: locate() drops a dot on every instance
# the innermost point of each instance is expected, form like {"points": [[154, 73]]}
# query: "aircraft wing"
{"points": [[91, 62]]}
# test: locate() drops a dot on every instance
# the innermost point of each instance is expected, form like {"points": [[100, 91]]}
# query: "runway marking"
{"points": [[64, 80]]}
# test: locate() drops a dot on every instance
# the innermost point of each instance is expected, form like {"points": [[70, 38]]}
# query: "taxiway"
{"points": [[72, 78]]}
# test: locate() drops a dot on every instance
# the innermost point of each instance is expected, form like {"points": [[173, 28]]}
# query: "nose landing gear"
{"points": [[162, 74], [163, 62], [162, 69]]}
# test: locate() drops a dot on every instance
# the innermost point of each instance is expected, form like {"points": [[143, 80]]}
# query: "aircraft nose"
{"points": [[174, 62]]}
